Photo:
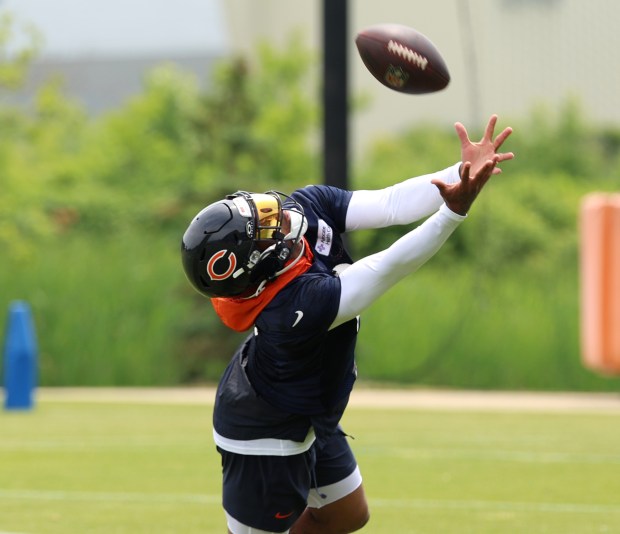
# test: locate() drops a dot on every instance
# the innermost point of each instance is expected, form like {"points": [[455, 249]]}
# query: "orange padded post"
{"points": [[600, 282]]}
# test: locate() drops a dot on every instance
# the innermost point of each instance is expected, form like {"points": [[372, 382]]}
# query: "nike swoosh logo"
{"points": [[300, 314], [283, 516]]}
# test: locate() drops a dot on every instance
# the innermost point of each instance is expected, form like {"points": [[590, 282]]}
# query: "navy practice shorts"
{"points": [[271, 492]]}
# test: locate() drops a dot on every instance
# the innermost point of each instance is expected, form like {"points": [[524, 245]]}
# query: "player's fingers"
{"points": [[485, 172], [505, 156], [465, 169], [488, 134], [440, 185], [461, 131], [499, 140]]}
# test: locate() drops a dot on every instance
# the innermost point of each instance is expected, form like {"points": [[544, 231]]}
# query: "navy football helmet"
{"points": [[233, 247]]}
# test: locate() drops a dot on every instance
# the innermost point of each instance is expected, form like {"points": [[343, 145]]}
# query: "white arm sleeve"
{"points": [[367, 279], [401, 203]]}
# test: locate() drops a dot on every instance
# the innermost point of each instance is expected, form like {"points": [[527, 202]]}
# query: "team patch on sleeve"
{"points": [[324, 238]]}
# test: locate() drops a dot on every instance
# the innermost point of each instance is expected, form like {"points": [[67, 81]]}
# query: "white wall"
{"points": [[122, 28], [504, 56]]}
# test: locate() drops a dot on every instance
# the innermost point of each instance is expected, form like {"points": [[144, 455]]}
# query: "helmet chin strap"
{"points": [[286, 268], [294, 262]]}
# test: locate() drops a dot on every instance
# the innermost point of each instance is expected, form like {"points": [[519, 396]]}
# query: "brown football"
{"points": [[402, 59]]}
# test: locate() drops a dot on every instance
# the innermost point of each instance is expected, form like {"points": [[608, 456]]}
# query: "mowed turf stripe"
{"points": [[541, 457], [511, 506], [194, 498], [513, 456], [94, 496], [98, 443]]}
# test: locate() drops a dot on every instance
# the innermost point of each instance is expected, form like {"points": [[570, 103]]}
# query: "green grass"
{"points": [[104, 317], [152, 468], [489, 473]]}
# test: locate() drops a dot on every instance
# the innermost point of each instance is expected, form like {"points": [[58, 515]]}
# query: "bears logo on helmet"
{"points": [[232, 263]]}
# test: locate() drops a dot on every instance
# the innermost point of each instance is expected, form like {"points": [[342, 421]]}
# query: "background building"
{"points": [[505, 56], [102, 50]]}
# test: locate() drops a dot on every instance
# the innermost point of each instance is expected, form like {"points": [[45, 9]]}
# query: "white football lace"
{"points": [[406, 53]]}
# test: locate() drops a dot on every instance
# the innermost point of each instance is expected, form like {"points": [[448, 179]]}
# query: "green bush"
{"points": [[93, 209], [498, 307], [96, 208]]}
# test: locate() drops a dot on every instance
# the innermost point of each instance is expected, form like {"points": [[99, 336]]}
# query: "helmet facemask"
{"points": [[272, 248]]}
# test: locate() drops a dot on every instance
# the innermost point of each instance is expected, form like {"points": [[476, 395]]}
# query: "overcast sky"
{"points": [[123, 27]]}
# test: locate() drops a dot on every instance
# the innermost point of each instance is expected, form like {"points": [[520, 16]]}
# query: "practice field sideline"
{"points": [[364, 397], [133, 461]]}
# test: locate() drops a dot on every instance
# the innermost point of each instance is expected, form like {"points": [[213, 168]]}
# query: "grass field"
{"points": [[132, 466]]}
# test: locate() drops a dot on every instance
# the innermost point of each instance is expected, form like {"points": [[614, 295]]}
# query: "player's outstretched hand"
{"points": [[479, 153], [460, 196]]}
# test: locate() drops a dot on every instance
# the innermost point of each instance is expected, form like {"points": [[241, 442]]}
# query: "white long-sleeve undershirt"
{"points": [[402, 203], [369, 278]]}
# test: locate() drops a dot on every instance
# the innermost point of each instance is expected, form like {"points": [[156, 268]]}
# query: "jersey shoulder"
{"points": [[309, 303], [325, 202]]}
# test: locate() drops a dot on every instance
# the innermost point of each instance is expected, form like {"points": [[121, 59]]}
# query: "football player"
{"points": [[276, 265]]}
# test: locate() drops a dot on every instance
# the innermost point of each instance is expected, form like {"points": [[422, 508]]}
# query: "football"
{"points": [[402, 59]]}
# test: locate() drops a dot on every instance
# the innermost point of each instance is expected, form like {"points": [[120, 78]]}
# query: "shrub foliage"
{"points": [[92, 210]]}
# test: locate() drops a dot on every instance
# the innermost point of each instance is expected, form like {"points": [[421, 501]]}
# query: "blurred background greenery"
{"points": [[92, 210]]}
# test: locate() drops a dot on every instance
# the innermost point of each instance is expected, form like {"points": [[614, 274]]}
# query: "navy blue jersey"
{"points": [[293, 361], [325, 209], [298, 364]]}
